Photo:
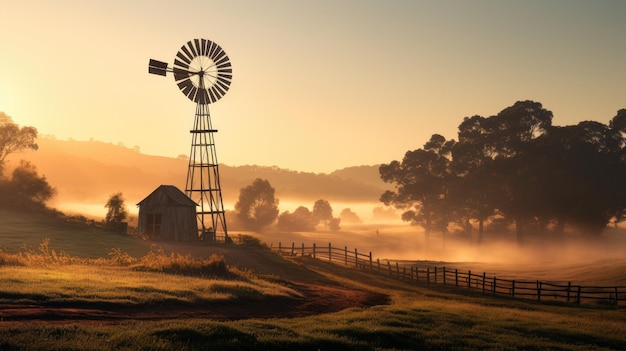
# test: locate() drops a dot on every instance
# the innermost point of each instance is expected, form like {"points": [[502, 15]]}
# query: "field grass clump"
{"points": [[184, 264]]}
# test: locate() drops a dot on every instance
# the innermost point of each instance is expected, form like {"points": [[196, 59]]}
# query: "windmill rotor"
{"points": [[202, 71]]}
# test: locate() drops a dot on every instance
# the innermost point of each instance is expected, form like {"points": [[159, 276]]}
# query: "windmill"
{"points": [[203, 72]]}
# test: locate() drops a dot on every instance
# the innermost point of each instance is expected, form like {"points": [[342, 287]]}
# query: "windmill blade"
{"points": [[219, 56], [218, 90], [192, 93], [224, 78], [212, 50], [181, 64], [198, 47], [185, 86], [181, 56], [186, 51], [223, 64], [213, 98], [193, 51], [224, 86], [180, 74], [203, 44]]}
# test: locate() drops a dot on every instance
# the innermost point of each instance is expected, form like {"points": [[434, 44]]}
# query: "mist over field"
{"points": [[86, 173]]}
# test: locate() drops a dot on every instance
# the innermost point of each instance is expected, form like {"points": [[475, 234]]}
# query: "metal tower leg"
{"points": [[203, 178]]}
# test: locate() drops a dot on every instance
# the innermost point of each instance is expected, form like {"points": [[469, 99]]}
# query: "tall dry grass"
{"points": [[157, 260]]}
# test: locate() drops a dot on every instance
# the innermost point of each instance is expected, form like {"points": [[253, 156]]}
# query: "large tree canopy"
{"points": [[515, 165], [257, 207]]}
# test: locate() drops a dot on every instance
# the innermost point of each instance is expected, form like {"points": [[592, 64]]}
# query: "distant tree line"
{"points": [[518, 168], [257, 208], [24, 188]]}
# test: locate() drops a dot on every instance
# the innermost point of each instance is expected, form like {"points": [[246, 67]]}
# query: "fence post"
{"points": [[313, 250], [371, 260], [378, 263], [569, 287], [302, 249], [494, 284], [456, 277], [428, 275], [397, 270], [345, 255], [538, 291], [435, 274], [469, 279], [411, 273], [444, 275], [513, 289], [389, 265], [484, 276], [417, 274], [330, 252], [356, 258], [280, 249]]}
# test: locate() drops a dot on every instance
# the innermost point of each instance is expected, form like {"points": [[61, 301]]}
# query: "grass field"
{"points": [[76, 293]]}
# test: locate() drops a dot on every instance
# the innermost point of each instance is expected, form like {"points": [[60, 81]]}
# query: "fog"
{"points": [[568, 257], [499, 252]]}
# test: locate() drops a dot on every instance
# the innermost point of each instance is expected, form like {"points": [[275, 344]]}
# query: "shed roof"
{"points": [[173, 193]]}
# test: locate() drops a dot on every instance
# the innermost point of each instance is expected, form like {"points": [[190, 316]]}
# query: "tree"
{"points": [[334, 224], [14, 139], [511, 142], [322, 211], [422, 181], [300, 220], [25, 188], [472, 163], [585, 170], [116, 213], [348, 216], [257, 207]]}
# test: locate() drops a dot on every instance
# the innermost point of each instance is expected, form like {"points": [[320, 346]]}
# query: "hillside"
{"points": [[88, 172]]}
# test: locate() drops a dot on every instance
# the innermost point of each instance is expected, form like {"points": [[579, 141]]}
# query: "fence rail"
{"points": [[454, 278]]}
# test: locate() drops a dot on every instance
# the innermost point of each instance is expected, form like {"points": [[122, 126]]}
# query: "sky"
{"points": [[317, 85]]}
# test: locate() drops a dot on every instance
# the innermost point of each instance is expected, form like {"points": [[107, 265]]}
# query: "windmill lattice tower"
{"points": [[203, 72]]}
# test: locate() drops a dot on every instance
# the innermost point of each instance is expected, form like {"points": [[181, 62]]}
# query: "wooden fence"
{"points": [[454, 278]]}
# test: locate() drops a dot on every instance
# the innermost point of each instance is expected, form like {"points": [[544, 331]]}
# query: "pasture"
{"points": [[76, 293]]}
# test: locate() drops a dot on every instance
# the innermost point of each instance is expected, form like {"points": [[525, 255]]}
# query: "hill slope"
{"points": [[90, 171]]}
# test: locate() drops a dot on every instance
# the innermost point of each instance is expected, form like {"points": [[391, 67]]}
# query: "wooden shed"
{"points": [[168, 214]]}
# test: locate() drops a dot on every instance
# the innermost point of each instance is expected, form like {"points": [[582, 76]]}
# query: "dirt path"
{"points": [[316, 299]]}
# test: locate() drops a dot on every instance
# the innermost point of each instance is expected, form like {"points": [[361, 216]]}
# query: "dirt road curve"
{"points": [[316, 299]]}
